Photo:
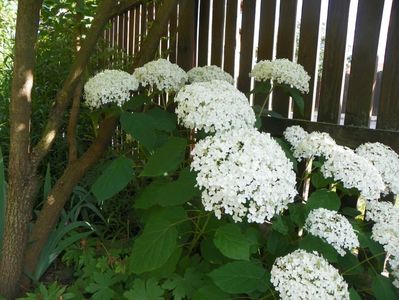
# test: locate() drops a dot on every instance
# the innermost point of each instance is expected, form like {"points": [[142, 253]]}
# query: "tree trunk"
{"points": [[22, 184]]}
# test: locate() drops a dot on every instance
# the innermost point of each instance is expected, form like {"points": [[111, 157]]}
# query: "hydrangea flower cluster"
{"points": [[353, 171], [208, 73], [294, 135], [386, 231], [282, 71], [213, 106], [332, 227], [304, 275], [386, 162], [244, 173], [162, 75], [109, 86]]}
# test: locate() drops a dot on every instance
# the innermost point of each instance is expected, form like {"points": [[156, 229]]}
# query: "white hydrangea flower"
{"points": [[213, 106], [282, 71], [109, 86], [332, 227], [304, 275], [162, 75], [314, 144], [393, 263], [382, 212], [353, 171], [387, 234], [386, 162], [294, 135], [243, 173], [208, 73]]}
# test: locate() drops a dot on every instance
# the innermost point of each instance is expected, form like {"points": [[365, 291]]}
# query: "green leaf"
{"points": [[163, 120], [262, 87], [238, 277], [350, 265], [277, 244], [353, 295], [101, 288], [297, 213], [288, 152], [210, 253], [184, 287], [383, 289], [210, 292], [158, 242], [167, 158], [323, 199], [312, 243], [296, 96], [113, 179], [141, 127], [280, 226], [166, 193], [145, 290], [231, 242], [136, 102]]}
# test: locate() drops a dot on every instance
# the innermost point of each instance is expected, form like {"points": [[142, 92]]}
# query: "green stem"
{"points": [[198, 235], [264, 103]]}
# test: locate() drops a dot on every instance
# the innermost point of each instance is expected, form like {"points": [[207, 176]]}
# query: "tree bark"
{"points": [[22, 182]]}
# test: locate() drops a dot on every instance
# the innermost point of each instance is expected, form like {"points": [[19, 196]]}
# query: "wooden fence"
{"points": [[235, 34]]}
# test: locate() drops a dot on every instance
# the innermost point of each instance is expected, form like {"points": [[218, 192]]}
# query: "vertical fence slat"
{"points": [[137, 29], [143, 20], [333, 64], [266, 37], [115, 32], [285, 48], [187, 36], [363, 63], [247, 38], [388, 110], [173, 36], [307, 53], [203, 32], [131, 31], [120, 31], [217, 32], [230, 36], [126, 32]]}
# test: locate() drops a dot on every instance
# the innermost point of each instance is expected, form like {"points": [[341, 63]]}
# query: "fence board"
{"points": [[131, 31], [173, 36], [230, 36], [285, 48], [137, 29], [266, 37], [363, 65], [120, 30], [307, 53], [333, 64], [186, 31], [388, 110], [247, 38], [350, 136], [204, 32], [218, 15], [143, 20]]}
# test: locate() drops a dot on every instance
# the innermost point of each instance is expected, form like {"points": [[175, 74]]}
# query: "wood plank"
{"points": [[230, 36], [334, 59], [363, 65], [173, 37], [247, 38], [187, 29], [120, 31], [218, 15], [388, 110], [150, 11], [350, 136], [137, 22], [126, 31], [115, 32], [285, 49], [131, 31], [203, 32], [307, 53], [266, 38], [143, 20]]}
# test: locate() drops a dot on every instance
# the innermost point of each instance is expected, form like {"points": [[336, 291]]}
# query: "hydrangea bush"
{"points": [[225, 211]]}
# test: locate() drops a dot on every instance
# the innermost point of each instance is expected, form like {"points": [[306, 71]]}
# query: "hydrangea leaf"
{"points": [[311, 243], [148, 290], [166, 193], [153, 248], [113, 179], [280, 226], [383, 288], [353, 295], [318, 180], [210, 292], [210, 253], [297, 213], [101, 288], [277, 244], [323, 199], [232, 242], [166, 159], [141, 127], [136, 101], [163, 120], [238, 277]]}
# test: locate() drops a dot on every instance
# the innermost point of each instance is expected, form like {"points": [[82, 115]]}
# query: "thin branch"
{"points": [[72, 124]]}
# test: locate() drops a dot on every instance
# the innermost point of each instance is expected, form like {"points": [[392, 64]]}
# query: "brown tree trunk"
{"points": [[22, 184]]}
